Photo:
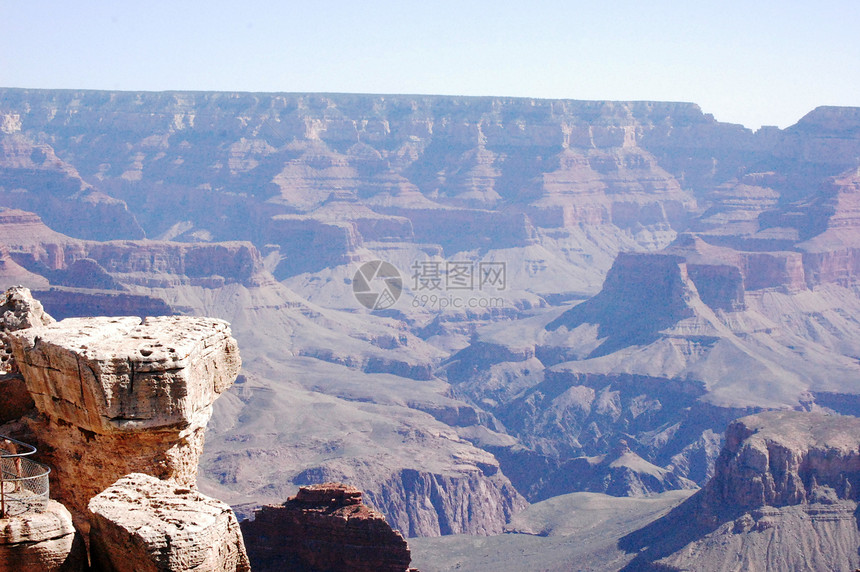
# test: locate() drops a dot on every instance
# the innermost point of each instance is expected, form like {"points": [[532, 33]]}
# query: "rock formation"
{"points": [[42, 541], [621, 472], [143, 524], [121, 395], [18, 310], [783, 458], [784, 497], [35, 179], [324, 527]]}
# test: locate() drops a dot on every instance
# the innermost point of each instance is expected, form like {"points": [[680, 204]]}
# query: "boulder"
{"points": [[143, 524], [41, 542]]}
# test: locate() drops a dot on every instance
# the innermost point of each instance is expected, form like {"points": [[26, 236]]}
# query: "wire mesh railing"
{"points": [[23, 482]]}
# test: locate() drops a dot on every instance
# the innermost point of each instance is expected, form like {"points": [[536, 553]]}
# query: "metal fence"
{"points": [[23, 482]]}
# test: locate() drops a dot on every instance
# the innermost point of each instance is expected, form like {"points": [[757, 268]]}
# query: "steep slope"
{"points": [[33, 178], [676, 345], [784, 497]]}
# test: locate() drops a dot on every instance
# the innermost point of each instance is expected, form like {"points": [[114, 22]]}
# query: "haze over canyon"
{"points": [[592, 294]]}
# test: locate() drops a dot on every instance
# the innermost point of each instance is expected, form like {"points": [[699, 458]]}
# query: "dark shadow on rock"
{"points": [[642, 295], [665, 536]]}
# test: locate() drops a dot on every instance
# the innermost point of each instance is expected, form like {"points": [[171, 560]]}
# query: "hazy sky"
{"points": [[752, 62]]}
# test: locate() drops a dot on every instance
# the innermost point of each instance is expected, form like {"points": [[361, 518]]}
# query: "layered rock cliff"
{"points": [[783, 497], [753, 308], [784, 458]]}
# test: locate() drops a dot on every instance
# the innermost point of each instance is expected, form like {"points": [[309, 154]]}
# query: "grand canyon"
{"points": [[615, 317]]}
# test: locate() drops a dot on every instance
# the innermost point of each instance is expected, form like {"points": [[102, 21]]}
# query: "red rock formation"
{"points": [[324, 528]]}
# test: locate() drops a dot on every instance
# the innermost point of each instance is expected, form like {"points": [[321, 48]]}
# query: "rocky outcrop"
{"points": [[42, 541], [469, 500], [782, 458], [121, 395], [642, 294], [143, 524], [324, 527], [18, 311], [783, 497]]}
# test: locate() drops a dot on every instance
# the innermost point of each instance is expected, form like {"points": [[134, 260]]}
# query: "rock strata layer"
{"points": [[324, 527], [143, 524], [783, 497], [121, 395], [782, 458]]}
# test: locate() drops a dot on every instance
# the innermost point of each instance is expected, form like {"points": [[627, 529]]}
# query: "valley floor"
{"points": [[577, 531]]}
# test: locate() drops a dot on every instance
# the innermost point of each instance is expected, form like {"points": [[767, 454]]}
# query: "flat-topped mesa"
{"points": [[783, 497], [324, 527], [781, 458], [331, 495], [123, 395]]}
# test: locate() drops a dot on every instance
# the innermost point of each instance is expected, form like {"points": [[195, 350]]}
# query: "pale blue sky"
{"points": [[745, 62]]}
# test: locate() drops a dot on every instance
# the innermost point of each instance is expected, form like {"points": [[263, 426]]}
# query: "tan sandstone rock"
{"points": [[121, 395], [143, 524], [18, 310], [41, 542]]}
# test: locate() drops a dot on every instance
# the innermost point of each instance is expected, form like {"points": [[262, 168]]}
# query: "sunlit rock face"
{"points": [[121, 395], [43, 541], [141, 523]]}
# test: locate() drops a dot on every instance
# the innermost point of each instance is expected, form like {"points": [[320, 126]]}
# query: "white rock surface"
{"points": [[121, 395]]}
